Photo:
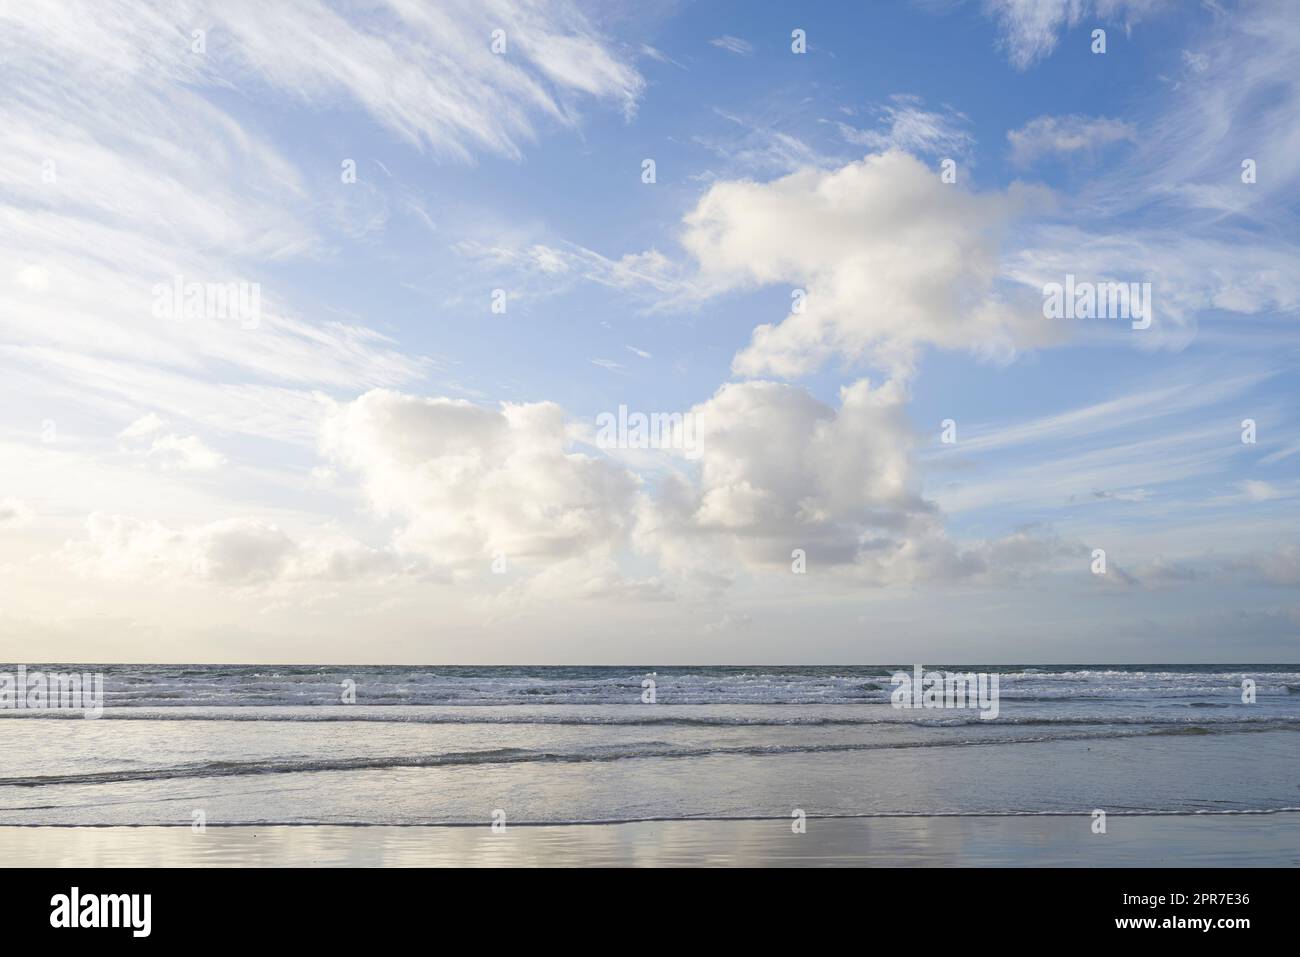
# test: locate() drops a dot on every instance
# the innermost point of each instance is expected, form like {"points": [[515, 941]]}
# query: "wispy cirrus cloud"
{"points": [[733, 45], [125, 171], [1031, 29], [905, 124]]}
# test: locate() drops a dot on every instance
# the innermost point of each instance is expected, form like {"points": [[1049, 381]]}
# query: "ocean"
{"points": [[277, 745]]}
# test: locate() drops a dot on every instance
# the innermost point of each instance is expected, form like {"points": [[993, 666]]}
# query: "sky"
{"points": [[426, 252]]}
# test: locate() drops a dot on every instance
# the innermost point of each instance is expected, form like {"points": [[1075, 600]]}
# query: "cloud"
{"points": [[1160, 572], [125, 168], [1237, 101], [426, 72], [733, 45], [1121, 495], [88, 333], [1031, 28], [1258, 491], [143, 427], [1144, 446], [891, 259], [14, 513], [772, 470], [534, 270], [187, 453], [779, 470], [1279, 567], [237, 552], [1048, 135], [659, 56], [1283, 453], [1226, 268], [469, 484], [748, 147], [908, 127]]}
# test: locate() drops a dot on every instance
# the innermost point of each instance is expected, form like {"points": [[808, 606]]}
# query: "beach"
{"points": [[263, 765], [1130, 841]]}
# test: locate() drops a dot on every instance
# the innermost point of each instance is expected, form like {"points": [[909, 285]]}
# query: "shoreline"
{"points": [[1215, 839], [872, 816]]}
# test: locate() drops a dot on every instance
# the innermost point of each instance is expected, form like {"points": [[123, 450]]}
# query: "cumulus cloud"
{"points": [[458, 486], [471, 483], [890, 257], [779, 470], [773, 469], [1048, 135]]}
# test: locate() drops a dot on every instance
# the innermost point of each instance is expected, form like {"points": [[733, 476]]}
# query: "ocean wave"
{"points": [[600, 753], [636, 716], [157, 686], [783, 819]]}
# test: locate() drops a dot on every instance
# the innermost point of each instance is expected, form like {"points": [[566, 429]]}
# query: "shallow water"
{"points": [[1135, 841], [578, 745]]}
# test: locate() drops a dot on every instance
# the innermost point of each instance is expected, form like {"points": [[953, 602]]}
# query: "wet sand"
{"points": [[1247, 840]]}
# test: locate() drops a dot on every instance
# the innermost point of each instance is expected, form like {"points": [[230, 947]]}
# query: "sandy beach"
{"points": [[1050, 841]]}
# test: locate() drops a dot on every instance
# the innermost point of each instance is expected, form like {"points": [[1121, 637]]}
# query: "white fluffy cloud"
{"points": [[780, 470], [470, 483], [890, 257], [772, 469]]}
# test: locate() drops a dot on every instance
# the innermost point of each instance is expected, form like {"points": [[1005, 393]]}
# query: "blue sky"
{"points": [[379, 466]]}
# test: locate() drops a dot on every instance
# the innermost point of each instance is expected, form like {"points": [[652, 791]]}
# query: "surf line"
{"points": [[935, 689]]}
